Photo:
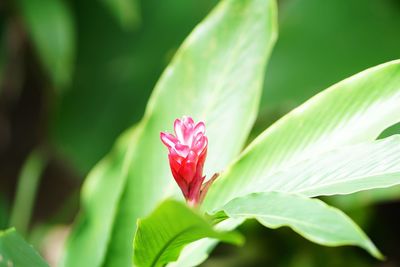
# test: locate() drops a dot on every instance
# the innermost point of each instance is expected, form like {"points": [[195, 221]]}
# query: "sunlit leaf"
{"points": [[353, 111], [311, 218], [346, 170], [161, 236]]}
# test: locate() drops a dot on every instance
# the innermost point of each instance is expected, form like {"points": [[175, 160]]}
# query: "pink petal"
{"points": [[178, 128], [181, 183], [187, 154], [200, 128], [174, 163], [200, 145], [192, 156], [187, 171], [188, 127], [182, 150], [188, 167], [168, 139], [176, 156], [197, 138], [188, 121], [184, 130], [200, 162]]}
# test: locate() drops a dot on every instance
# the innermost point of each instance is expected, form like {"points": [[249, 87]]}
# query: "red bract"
{"points": [[187, 153]]}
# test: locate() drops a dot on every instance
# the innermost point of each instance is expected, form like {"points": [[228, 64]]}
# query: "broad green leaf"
{"points": [[216, 77], [345, 170], [51, 28], [355, 110], [161, 236], [15, 251], [197, 252], [127, 12], [311, 218]]}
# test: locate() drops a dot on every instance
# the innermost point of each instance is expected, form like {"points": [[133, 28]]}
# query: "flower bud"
{"points": [[187, 154]]}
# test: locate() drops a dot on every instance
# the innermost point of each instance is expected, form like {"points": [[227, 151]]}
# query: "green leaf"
{"points": [[355, 110], [311, 218], [51, 28], [28, 182], [161, 236], [345, 170], [127, 12], [216, 76], [14, 251], [197, 252]]}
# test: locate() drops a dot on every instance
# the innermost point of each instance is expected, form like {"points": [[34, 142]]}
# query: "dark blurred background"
{"points": [[75, 74]]}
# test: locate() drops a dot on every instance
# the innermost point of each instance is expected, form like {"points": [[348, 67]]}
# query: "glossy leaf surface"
{"points": [[311, 218], [353, 111], [161, 236]]}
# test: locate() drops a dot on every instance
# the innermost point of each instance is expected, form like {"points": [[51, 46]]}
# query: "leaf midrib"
{"points": [[164, 247]]}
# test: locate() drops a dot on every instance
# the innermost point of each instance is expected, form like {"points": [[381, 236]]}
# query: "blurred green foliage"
{"points": [[50, 26], [2, 50], [127, 12], [28, 182]]}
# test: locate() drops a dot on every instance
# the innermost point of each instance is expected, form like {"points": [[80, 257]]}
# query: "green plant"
{"points": [[326, 146], [216, 77]]}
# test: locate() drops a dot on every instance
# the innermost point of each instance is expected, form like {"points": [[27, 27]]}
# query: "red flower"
{"points": [[187, 153]]}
